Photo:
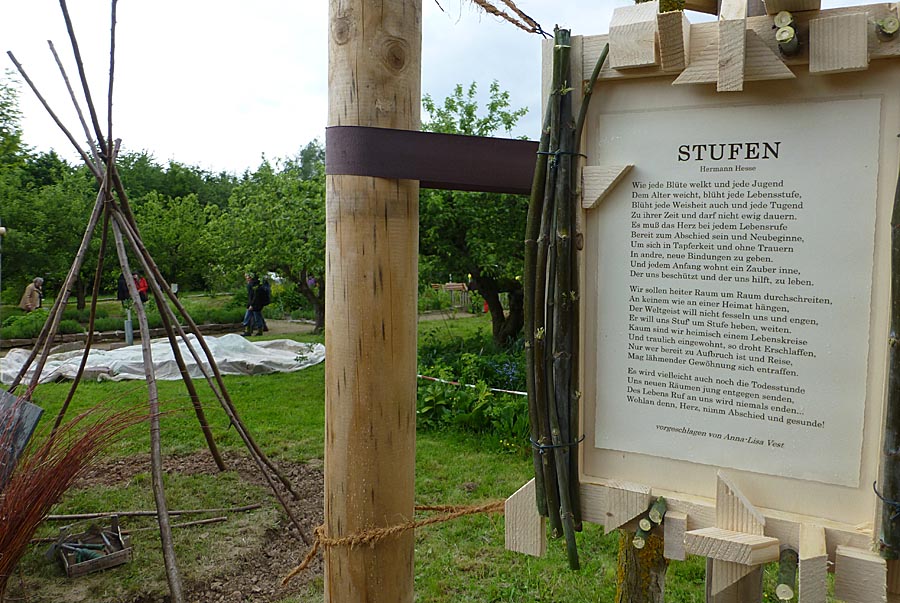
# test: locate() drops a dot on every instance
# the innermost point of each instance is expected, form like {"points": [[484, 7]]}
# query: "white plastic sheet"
{"points": [[234, 355]]}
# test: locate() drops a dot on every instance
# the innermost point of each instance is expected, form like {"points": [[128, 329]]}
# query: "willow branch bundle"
{"points": [[45, 472], [890, 513], [551, 285]]}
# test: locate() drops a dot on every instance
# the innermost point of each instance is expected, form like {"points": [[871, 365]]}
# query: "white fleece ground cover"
{"points": [[233, 354]]}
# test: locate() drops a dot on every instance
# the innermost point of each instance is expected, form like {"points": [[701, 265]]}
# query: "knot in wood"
{"points": [[341, 29], [395, 54]]}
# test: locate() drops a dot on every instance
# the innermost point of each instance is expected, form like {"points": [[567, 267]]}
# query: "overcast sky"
{"points": [[220, 83]]}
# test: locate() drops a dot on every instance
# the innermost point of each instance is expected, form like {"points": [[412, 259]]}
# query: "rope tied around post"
{"points": [[372, 536]]}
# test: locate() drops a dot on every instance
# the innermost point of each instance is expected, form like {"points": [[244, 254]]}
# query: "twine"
{"points": [[374, 535], [526, 23]]}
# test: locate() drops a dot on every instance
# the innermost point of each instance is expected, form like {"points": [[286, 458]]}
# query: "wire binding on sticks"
{"points": [[543, 448], [895, 505]]}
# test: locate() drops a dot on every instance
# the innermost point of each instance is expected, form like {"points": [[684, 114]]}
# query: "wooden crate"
{"points": [[116, 549]]}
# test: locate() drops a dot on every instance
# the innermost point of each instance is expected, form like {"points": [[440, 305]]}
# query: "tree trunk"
{"points": [[641, 573], [315, 298], [370, 319], [80, 293], [505, 325]]}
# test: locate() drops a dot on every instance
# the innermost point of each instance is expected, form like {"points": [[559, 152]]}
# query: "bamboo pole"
{"points": [[370, 318]]}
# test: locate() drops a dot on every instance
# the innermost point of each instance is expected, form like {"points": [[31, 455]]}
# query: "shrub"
{"points": [[474, 361], [28, 326], [84, 316]]}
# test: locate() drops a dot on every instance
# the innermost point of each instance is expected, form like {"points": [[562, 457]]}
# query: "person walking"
{"points": [[142, 286], [255, 302], [34, 293]]}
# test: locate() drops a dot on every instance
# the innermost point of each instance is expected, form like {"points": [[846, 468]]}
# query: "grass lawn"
{"points": [[461, 561]]}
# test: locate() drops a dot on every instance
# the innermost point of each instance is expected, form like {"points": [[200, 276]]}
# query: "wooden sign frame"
{"points": [[736, 517]]}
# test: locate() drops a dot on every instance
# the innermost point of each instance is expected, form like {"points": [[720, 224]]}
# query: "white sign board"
{"points": [[735, 288], [736, 271]]}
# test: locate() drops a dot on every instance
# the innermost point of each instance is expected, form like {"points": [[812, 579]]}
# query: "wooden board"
{"points": [[860, 576], [18, 420], [525, 529], [839, 43], [728, 545], [632, 36], [704, 34], [813, 564]]}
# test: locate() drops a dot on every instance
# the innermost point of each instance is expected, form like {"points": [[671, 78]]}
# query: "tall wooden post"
{"points": [[374, 80]]}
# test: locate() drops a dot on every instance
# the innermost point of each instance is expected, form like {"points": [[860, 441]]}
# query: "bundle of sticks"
{"points": [[551, 302]]}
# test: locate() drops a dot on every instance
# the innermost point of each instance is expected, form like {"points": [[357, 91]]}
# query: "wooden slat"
{"points": [[761, 63], [674, 40], [632, 36], [525, 528], [614, 503], [674, 527], [704, 34], [701, 513], [813, 565], [728, 545], [839, 43], [860, 576], [773, 7], [732, 45], [733, 512], [598, 181]]}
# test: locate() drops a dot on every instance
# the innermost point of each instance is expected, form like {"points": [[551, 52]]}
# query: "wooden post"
{"points": [[370, 319]]}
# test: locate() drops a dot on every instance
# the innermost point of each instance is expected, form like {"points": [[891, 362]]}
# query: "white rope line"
{"points": [[502, 391]]}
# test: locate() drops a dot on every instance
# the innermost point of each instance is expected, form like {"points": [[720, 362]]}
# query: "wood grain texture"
{"points": [[710, 7], [733, 512], [674, 31], [525, 528], [598, 181], [701, 513], [760, 63], [732, 45], [773, 7], [728, 545], [624, 503], [813, 565], [746, 590], [893, 577], [704, 34], [674, 527], [839, 43], [370, 321], [632, 36], [860, 576]]}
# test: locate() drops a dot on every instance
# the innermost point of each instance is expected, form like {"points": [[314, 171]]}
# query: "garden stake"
{"points": [[890, 487]]}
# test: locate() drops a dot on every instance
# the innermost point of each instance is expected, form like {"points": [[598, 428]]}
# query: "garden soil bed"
{"points": [[256, 575]]}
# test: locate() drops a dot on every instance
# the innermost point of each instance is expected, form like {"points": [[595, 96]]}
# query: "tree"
{"points": [[11, 148], [475, 234], [275, 221], [169, 228]]}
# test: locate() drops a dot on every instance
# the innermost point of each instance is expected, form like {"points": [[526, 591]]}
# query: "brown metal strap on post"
{"points": [[444, 161]]}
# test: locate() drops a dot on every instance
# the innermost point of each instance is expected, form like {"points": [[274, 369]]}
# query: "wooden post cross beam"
{"points": [[443, 161]]}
